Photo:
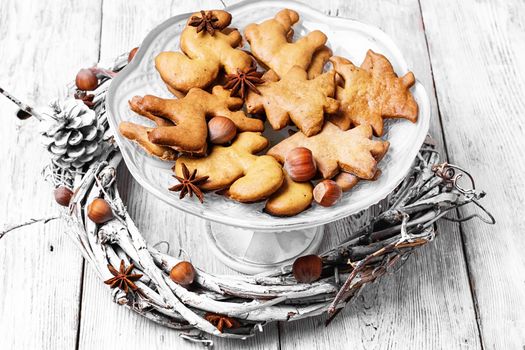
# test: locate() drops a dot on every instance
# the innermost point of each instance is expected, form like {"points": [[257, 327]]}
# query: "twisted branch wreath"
{"points": [[238, 306]]}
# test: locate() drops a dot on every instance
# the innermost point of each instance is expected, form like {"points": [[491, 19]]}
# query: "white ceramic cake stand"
{"points": [[242, 235]]}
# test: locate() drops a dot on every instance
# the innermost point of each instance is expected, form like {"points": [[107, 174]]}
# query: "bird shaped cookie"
{"points": [[188, 115], [270, 43], [207, 48]]}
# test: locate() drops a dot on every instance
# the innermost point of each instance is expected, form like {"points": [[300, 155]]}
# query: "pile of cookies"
{"points": [[212, 128]]}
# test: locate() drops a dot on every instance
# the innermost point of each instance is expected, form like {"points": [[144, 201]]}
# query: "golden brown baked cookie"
{"points": [[203, 54], [346, 181], [270, 43], [250, 178], [189, 116], [372, 92], [139, 134], [334, 150], [297, 98], [319, 60], [291, 199]]}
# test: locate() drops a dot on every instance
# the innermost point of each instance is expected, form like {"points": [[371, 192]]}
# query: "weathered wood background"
{"points": [[466, 290]]}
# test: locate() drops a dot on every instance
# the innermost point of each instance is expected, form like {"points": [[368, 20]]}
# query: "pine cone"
{"points": [[72, 133]]}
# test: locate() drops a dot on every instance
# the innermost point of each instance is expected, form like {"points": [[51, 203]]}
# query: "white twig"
{"points": [[22, 105], [252, 300], [27, 223]]}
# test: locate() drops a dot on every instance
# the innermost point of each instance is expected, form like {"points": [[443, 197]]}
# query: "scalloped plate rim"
{"points": [[288, 223]]}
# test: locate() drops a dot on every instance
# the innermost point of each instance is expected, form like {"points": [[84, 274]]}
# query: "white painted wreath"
{"points": [[175, 294]]}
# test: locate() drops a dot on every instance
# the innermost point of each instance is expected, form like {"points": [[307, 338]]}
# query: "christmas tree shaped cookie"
{"points": [[297, 98], [372, 92], [335, 150]]}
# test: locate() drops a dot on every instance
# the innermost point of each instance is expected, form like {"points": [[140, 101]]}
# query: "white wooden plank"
{"points": [[105, 324], [42, 47], [478, 67], [428, 303]]}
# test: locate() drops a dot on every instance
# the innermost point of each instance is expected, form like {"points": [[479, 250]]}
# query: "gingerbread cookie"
{"points": [[291, 199], [189, 116], [334, 150], [319, 60], [348, 181], [297, 98], [372, 92], [207, 47], [248, 177], [270, 43], [139, 134]]}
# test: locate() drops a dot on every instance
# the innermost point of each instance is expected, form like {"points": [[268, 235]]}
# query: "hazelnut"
{"points": [[132, 53], [86, 80], [99, 211], [183, 273], [346, 181], [307, 269], [63, 195], [300, 164], [222, 130], [327, 193]]}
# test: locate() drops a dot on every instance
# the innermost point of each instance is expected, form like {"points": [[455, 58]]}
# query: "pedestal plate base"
{"points": [[252, 252]]}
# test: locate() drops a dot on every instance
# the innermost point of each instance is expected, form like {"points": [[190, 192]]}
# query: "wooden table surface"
{"points": [[466, 290]]}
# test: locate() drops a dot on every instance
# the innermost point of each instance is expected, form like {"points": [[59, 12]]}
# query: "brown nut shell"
{"points": [[327, 193], [221, 130], [307, 269], [183, 273], [99, 211], [300, 164], [132, 53], [86, 80], [63, 195]]}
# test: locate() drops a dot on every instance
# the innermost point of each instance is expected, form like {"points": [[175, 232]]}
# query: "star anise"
{"points": [[206, 22], [123, 279], [189, 184], [221, 321], [243, 81]]}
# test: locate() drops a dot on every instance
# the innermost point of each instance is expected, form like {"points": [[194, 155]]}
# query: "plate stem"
{"points": [[252, 252]]}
